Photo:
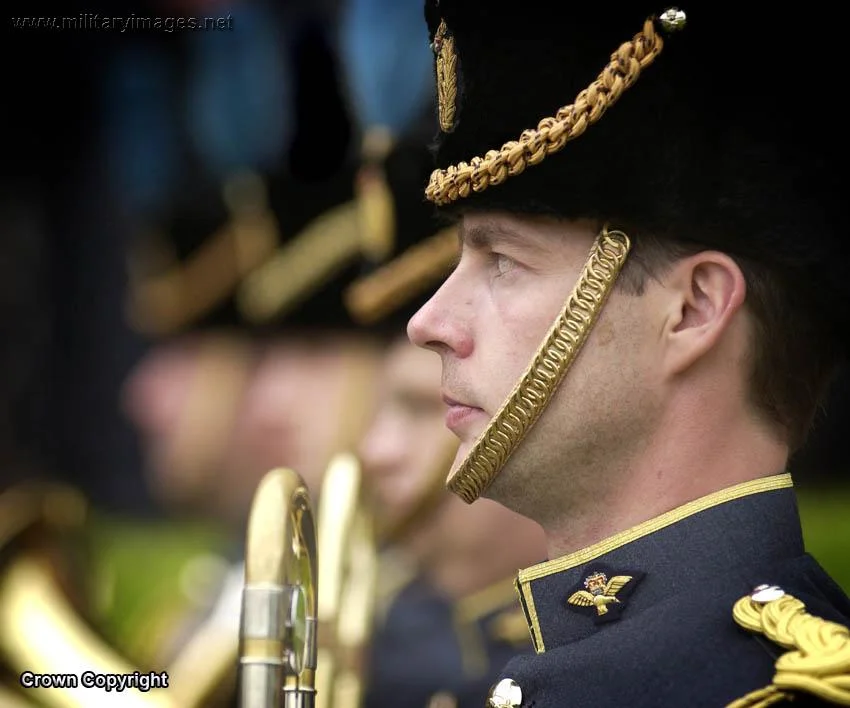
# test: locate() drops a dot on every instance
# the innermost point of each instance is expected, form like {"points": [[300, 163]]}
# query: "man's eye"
{"points": [[503, 264]]}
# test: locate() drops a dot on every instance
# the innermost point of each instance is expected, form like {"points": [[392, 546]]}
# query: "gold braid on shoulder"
{"points": [[818, 660], [553, 133]]}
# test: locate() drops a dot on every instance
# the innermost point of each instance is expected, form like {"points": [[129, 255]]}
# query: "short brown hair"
{"points": [[794, 358]]}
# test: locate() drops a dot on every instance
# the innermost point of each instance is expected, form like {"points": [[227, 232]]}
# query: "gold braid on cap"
{"points": [[818, 660], [546, 371], [552, 134]]}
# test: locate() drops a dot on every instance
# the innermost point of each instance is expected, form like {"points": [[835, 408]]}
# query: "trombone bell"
{"points": [[278, 648]]}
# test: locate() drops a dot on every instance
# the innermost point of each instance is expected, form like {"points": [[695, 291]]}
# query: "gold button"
{"points": [[505, 694]]}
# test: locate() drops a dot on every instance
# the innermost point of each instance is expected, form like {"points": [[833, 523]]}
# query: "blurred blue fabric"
{"points": [[141, 133], [226, 96], [239, 101], [385, 52]]}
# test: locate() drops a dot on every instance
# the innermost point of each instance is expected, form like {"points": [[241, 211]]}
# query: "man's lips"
{"points": [[459, 414]]}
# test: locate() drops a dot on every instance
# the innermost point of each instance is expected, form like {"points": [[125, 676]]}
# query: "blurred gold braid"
{"points": [[552, 134], [374, 296], [543, 376], [818, 663]]}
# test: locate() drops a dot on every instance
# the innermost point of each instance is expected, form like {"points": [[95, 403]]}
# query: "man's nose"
{"points": [[438, 325]]}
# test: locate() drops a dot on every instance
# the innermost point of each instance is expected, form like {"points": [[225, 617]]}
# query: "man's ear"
{"points": [[706, 292]]}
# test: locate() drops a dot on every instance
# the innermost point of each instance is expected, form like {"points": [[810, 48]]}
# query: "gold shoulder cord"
{"points": [[818, 660]]}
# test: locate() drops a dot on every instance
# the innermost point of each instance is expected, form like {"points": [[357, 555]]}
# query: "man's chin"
{"points": [[462, 451]]}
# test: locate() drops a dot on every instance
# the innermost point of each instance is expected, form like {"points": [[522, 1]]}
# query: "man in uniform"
{"points": [[255, 362], [648, 308], [448, 616]]}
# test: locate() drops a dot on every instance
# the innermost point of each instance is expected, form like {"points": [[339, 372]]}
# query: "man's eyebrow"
{"points": [[485, 236]]}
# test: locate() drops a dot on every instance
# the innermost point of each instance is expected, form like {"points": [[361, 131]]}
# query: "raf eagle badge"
{"points": [[444, 48], [604, 592]]}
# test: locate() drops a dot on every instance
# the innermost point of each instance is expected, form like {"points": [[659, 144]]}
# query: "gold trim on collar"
{"points": [[558, 565], [467, 612], [523, 590], [754, 486], [481, 603]]}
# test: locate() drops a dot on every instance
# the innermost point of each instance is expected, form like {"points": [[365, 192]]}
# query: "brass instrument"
{"points": [[348, 566], [42, 631], [43, 635], [278, 649], [302, 642], [203, 673]]}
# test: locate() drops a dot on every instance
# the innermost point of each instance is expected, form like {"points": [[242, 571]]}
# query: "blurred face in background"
{"points": [[407, 450], [216, 413], [407, 454], [308, 398]]}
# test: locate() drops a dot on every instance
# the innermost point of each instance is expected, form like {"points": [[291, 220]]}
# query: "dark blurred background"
{"points": [[102, 127]]}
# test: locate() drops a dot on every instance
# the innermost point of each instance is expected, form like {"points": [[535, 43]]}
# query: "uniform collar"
{"points": [[749, 524]]}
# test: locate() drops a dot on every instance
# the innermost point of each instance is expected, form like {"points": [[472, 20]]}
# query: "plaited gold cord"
{"points": [[551, 134], [818, 660], [763, 698], [546, 371]]}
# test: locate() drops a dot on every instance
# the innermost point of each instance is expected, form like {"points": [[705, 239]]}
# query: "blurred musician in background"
{"points": [[254, 362]]}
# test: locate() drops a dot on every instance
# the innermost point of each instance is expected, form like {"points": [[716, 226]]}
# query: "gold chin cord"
{"points": [[303, 644], [547, 369], [278, 643]]}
